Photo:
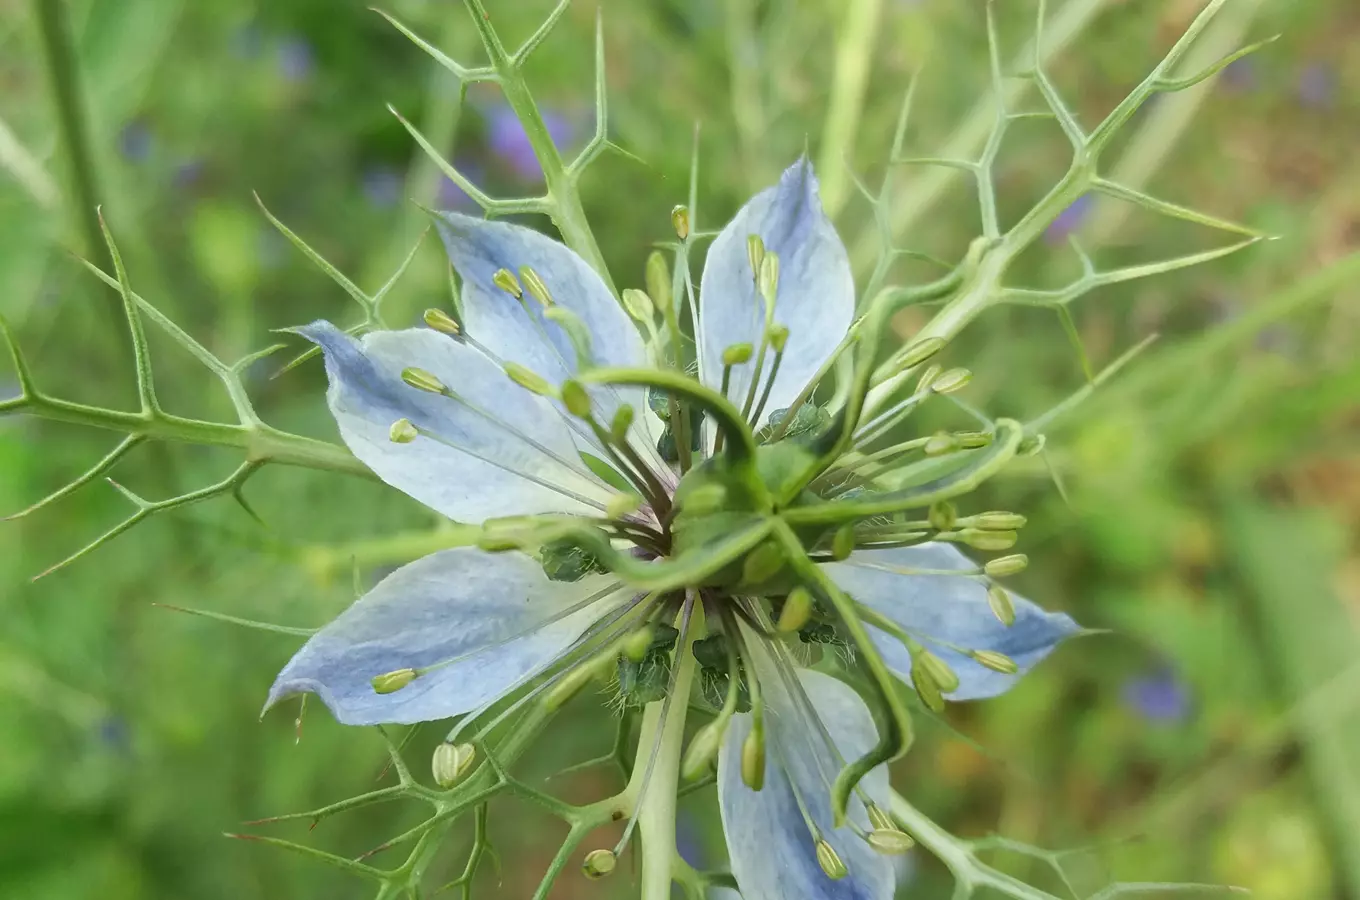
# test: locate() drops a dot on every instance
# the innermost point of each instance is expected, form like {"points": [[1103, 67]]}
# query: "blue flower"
{"points": [[509, 143], [466, 628], [1158, 696], [295, 60]]}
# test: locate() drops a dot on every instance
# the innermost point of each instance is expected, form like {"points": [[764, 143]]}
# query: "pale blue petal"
{"points": [[815, 300], [499, 450], [771, 851], [481, 609], [948, 608], [516, 331]]}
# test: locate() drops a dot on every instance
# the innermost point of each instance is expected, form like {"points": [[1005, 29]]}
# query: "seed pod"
{"points": [[402, 432], [1000, 602], [890, 841], [796, 612], [680, 221], [441, 321], [753, 759], [391, 682], [451, 762], [506, 281], [830, 861], [422, 380], [599, 863], [997, 662], [659, 280], [1006, 565]]}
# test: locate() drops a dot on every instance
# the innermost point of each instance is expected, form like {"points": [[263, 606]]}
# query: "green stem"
{"points": [[854, 52], [567, 213], [656, 816]]}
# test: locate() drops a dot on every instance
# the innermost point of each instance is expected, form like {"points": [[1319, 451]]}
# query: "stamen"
{"points": [[422, 380], [441, 321], [779, 339], [995, 660], [506, 281], [621, 452], [767, 284], [951, 381], [535, 286], [402, 432], [451, 762], [680, 221], [755, 252], [999, 600], [599, 863], [529, 380], [1006, 565], [391, 682]]}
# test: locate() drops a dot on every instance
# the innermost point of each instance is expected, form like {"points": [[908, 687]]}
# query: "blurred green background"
{"points": [[1212, 503]]}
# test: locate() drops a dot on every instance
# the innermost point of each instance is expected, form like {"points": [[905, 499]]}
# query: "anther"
{"points": [[997, 662], [927, 378], [769, 276], [796, 612], [441, 321], [638, 305], [830, 861], [451, 762], [940, 443], [753, 758], [391, 682], [926, 686], [402, 432], [998, 521], [659, 280], [890, 841], [422, 380], [988, 540], [621, 505], [576, 399], [938, 670], [702, 749], [755, 252], [623, 421], [1006, 565], [917, 353], [535, 286], [599, 863], [529, 380], [779, 337], [843, 544], [737, 354], [951, 381], [680, 221], [942, 515], [1000, 602], [506, 281]]}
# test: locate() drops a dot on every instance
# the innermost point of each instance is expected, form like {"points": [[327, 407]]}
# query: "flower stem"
{"points": [[656, 816]]}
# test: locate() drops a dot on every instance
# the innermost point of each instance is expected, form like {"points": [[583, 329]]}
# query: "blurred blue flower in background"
{"points": [[246, 41], [1158, 696], [1069, 220], [136, 141], [1242, 75], [295, 60], [1316, 86], [450, 195], [509, 143], [382, 186]]}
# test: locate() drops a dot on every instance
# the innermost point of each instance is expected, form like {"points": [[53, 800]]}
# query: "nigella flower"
{"points": [[719, 574]]}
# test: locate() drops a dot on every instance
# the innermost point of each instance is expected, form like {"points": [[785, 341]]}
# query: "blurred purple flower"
{"points": [[1158, 696], [187, 173], [1069, 220], [382, 186], [1316, 87], [295, 60], [114, 734], [508, 141], [136, 141], [451, 196], [1242, 75]]}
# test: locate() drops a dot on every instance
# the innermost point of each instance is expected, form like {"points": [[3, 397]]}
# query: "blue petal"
{"points": [[948, 608], [516, 331], [815, 300], [497, 451], [493, 613], [772, 852]]}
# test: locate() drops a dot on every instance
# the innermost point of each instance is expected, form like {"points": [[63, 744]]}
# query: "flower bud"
{"points": [[391, 682], [890, 841], [1006, 565], [830, 861], [917, 353], [451, 762], [736, 354], [623, 421], [659, 280], [942, 515], [753, 759], [779, 337], [535, 286], [951, 381], [422, 380], [702, 749], [506, 281], [940, 443], [575, 398], [680, 221], [1000, 602], [755, 253], [843, 543], [999, 521], [441, 321], [638, 305], [939, 670], [402, 432], [529, 380], [599, 863], [988, 540], [769, 276], [997, 662], [796, 612]]}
